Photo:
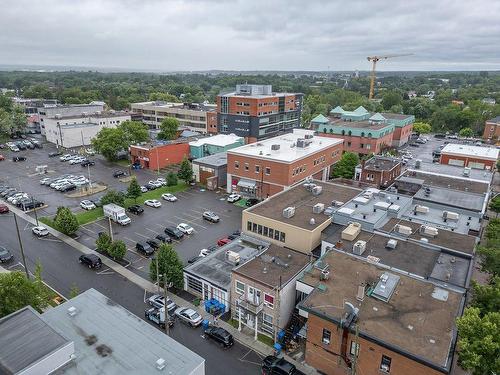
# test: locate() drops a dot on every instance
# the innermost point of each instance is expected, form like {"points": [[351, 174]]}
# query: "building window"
{"points": [[257, 169], [254, 227], [354, 349], [361, 145], [237, 164], [348, 144], [266, 231], [269, 300], [349, 133], [267, 323], [385, 364], [282, 236], [240, 287], [268, 171], [271, 233], [362, 134], [246, 167], [326, 336], [277, 235], [343, 132], [368, 146], [249, 225], [259, 229], [369, 135]]}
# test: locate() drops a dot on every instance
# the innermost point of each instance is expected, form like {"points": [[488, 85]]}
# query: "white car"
{"points": [[19, 198], [188, 316], [15, 196], [152, 203], [169, 197], [90, 151], [77, 160], [44, 181], [185, 228], [155, 183], [144, 189], [65, 157], [87, 205], [40, 231], [233, 198]]}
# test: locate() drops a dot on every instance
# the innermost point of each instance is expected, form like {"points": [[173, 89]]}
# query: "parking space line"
{"points": [[136, 253], [190, 221], [90, 230], [141, 235], [187, 192], [99, 225], [191, 216], [156, 233], [128, 239]]}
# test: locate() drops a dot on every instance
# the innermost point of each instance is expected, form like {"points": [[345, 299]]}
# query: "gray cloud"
{"points": [[251, 34]]}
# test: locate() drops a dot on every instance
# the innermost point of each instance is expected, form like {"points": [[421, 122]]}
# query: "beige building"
{"points": [[295, 218], [192, 116]]}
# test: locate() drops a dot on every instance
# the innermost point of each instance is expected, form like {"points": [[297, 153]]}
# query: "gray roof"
{"points": [[215, 160], [453, 198], [133, 346], [495, 119], [25, 339]]}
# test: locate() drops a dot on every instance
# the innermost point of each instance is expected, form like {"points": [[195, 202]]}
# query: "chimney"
{"points": [[339, 244]]}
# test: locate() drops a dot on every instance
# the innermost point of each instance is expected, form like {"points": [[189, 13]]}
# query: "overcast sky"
{"points": [[251, 34]]}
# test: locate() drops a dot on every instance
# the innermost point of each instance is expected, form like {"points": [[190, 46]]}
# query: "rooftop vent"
{"points": [[385, 286], [308, 136], [301, 143], [359, 247], [312, 221], [289, 212], [360, 296], [325, 275], [391, 244], [318, 208], [160, 364], [275, 147], [317, 190], [72, 311]]}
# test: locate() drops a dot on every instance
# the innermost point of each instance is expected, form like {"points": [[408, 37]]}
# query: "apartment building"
{"points": [[478, 157], [48, 112], [263, 290], [191, 116], [492, 129], [256, 112], [213, 145], [261, 169], [364, 132], [379, 171], [78, 130]]}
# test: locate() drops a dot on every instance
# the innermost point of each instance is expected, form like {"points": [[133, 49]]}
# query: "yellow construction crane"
{"points": [[374, 60]]}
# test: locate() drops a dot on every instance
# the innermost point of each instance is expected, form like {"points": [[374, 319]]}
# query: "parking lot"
{"points": [[424, 151]]}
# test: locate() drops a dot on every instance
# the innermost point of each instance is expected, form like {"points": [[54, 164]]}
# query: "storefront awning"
{"points": [[248, 184]]}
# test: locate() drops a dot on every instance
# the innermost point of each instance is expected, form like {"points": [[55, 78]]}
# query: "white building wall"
{"points": [[52, 362], [287, 303]]}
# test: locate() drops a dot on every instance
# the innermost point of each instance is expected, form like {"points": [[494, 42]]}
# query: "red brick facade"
{"points": [[492, 131], [445, 159], [401, 135], [212, 122], [363, 145], [159, 156], [380, 178]]}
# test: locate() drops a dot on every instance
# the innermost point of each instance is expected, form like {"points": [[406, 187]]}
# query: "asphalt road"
{"points": [[61, 271]]}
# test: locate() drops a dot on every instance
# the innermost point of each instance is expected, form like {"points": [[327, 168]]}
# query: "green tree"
{"points": [[103, 242], [186, 171], [134, 190], [466, 132], [171, 179], [117, 250], [486, 297], [109, 141], [421, 128], [479, 341], [134, 131], [65, 221], [390, 99], [345, 167], [490, 259], [164, 97], [5, 123], [113, 196], [495, 205], [168, 128], [16, 292], [169, 264], [19, 120]]}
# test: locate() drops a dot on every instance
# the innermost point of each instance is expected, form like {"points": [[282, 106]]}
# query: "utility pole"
{"points": [[157, 276], [90, 181], [34, 210], [165, 288], [21, 247], [110, 229], [356, 350]]}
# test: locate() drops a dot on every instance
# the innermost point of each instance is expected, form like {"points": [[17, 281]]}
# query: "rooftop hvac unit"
{"points": [[317, 190], [325, 275], [382, 194], [359, 247], [337, 203], [450, 215], [418, 163], [275, 147], [289, 212], [367, 195], [301, 143], [233, 257], [428, 230], [421, 209], [351, 232], [403, 229], [318, 208], [311, 186], [391, 244], [394, 208], [307, 185], [308, 136]]}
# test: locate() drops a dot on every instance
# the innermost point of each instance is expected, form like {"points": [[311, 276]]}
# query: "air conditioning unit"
{"points": [[289, 212], [403, 229], [317, 190], [318, 208], [391, 244], [422, 209], [359, 247], [233, 257], [381, 194], [275, 147], [325, 275], [351, 231], [368, 195], [450, 215], [337, 203], [428, 230]]}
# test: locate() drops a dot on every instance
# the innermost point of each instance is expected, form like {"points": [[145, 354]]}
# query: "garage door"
{"points": [[476, 165], [457, 162]]}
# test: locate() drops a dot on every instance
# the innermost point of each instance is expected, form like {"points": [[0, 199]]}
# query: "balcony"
{"points": [[250, 306]]}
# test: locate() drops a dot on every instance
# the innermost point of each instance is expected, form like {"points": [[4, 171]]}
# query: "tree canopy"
{"points": [[168, 128], [65, 221], [422, 128], [134, 189], [110, 141], [113, 196], [186, 170], [345, 167], [169, 264]]}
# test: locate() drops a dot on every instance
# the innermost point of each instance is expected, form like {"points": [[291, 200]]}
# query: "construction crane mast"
{"points": [[374, 60]]}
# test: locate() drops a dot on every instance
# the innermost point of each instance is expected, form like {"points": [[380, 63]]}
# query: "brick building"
{"points": [[256, 112], [155, 156], [380, 171], [492, 129], [478, 157], [265, 168]]}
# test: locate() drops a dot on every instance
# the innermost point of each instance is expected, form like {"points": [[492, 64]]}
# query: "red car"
{"points": [[3, 209], [2, 157], [223, 241]]}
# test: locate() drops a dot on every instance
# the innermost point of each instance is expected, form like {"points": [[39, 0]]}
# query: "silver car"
{"points": [[189, 316]]}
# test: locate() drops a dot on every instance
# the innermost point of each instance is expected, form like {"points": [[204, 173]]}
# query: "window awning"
{"points": [[249, 184]]}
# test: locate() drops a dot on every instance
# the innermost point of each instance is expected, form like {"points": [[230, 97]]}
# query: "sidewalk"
{"points": [[148, 286]]}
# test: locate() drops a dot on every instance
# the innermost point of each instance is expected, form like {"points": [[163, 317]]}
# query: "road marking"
{"points": [[192, 222], [142, 235], [99, 225], [191, 216], [156, 233], [27, 226], [128, 239], [105, 272], [242, 359], [90, 230], [49, 239], [136, 253]]}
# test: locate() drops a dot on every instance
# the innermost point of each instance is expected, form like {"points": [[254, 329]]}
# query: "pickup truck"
{"points": [[158, 316], [116, 213]]}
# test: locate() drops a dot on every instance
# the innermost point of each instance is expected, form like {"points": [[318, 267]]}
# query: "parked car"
{"points": [[174, 232], [185, 228], [158, 301], [163, 238], [169, 197], [211, 216], [65, 157], [144, 248], [233, 198], [413, 144], [144, 189], [272, 365], [232, 237], [152, 203], [40, 231], [153, 243], [251, 202], [87, 205], [219, 335], [67, 187], [2, 157], [150, 186], [87, 163], [136, 209], [90, 260], [117, 174], [77, 160], [5, 255], [223, 241], [189, 316], [194, 259], [18, 158], [4, 209]]}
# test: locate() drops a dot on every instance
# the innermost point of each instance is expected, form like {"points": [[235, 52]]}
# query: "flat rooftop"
{"points": [[380, 163], [440, 178], [94, 115], [418, 319], [445, 239], [365, 124], [216, 268], [288, 151], [215, 160], [303, 200], [221, 140], [165, 105], [25, 339], [274, 267], [110, 339], [482, 152], [452, 198]]}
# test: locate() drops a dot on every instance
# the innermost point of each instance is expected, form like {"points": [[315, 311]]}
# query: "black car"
{"points": [[54, 154], [233, 236], [153, 243], [144, 248], [163, 238], [29, 204], [220, 335], [68, 187], [150, 186], [21, 145], [90, 260], [279, 366], [194, 259], [117, 174], [413, 144], [37, 144], [174, 232], [18, 158], [5, 255], [251, 202], [136, 209], [86, 163], [97, 202]]}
